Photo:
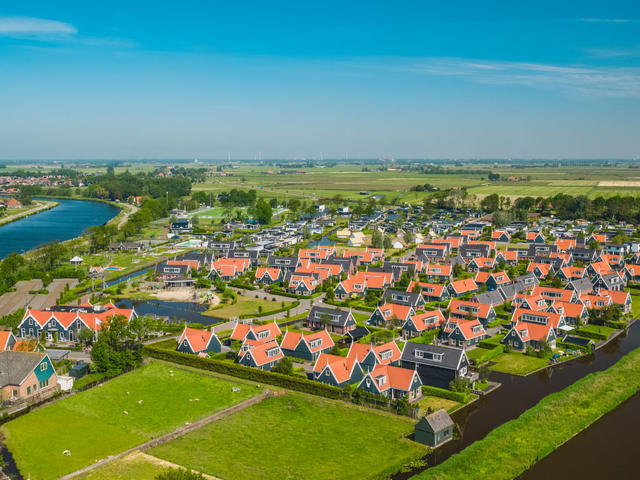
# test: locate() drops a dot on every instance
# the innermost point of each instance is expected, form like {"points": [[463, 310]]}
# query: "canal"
{"points": [[518, 394], [66, 221]]}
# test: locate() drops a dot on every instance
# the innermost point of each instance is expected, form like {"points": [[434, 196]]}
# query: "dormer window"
{"points": [[382, 380], [386, 355]]}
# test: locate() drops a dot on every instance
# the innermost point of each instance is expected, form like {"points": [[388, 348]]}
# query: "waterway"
{"points": [[66, 221], [189, 311], [518, 394]]}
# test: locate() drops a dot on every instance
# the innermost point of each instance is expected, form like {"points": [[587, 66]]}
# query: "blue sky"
{"points": [[294, 79]]}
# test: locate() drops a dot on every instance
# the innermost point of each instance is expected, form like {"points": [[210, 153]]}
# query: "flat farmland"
{"points": [[348, 181], [93, 425], [300, 437]]}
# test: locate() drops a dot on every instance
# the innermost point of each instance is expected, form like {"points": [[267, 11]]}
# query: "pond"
{"points": [[189, 311]]}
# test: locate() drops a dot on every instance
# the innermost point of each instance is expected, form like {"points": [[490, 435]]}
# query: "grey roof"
{"points": [[338, 317], [438, 420], [358, 332], [451, 357], [466, 250], [15, 366], [510, 290], [492, 297], [410, 298], [581, 285]]}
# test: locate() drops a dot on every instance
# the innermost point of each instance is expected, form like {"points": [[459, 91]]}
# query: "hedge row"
{"points": [[244, 286], [494, 352], [235, 370], [571, 346], [277, 291], [442, 393], [592, 335], [490, 343], [270, 312], [620, 324]]}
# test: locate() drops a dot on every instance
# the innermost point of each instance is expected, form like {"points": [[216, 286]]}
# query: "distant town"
{"points": [[392, 313]]}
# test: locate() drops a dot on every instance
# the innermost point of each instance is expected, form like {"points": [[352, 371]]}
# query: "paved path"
{"points": [[130, 211], [175, 434]]}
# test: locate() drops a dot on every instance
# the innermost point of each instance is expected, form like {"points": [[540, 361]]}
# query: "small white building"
{"points": [[76, 260]]}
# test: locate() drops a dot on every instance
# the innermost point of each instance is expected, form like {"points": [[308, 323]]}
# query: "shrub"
{"points": [[494, 352], [442, 393]]}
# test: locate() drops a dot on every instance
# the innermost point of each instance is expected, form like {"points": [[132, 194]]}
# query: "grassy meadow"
{"points": [[92, 425], [300, 437]]}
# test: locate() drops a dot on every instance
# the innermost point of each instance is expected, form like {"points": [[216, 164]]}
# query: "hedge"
{"points": [[442, 393], [494, 352], [620, 324], [491, 343], [592, 335], [270, 312], [277, 291], [235, 370], [298, 383], [241, 285], [572, 346]]}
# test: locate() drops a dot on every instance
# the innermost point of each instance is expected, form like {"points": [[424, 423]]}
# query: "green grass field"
{"points": [[297, 437], [517, 363], [245, 306], [92, 424], [134, 465]]}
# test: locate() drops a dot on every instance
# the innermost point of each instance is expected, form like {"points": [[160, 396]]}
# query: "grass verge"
{"points": [[514, 447]]}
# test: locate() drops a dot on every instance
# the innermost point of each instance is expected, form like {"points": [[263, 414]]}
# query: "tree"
{"points": [[460, 384], [387, 243], [115, 350], [556, 282], [494, 177], [376, 239], [284, 366], [85, 336], [491, 202], [457, 270], [594, 244], [264, 212]]}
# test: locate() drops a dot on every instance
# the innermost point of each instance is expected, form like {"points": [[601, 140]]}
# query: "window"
{"points": [[43, 366], [386, 355], [28, 390]]}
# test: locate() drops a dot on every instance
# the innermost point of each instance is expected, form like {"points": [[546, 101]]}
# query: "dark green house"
{"points": [[434, 429]]}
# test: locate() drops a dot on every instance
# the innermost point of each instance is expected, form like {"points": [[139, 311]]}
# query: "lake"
{"points": [[66, 221]]}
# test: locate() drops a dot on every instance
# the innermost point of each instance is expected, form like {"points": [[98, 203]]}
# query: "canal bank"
{"points": [[40, 207], [518, 394]]}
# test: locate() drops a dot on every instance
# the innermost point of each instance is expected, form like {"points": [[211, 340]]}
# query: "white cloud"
{"points": [[34, 27], [622, 82], [606, 20]]}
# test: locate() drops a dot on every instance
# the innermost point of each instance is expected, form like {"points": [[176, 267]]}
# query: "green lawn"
{"points": [[601, 329], [134, 465], [517, 363], [245, 305], [297, 437], [475, 353], [93, 425], [436, 403]]}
